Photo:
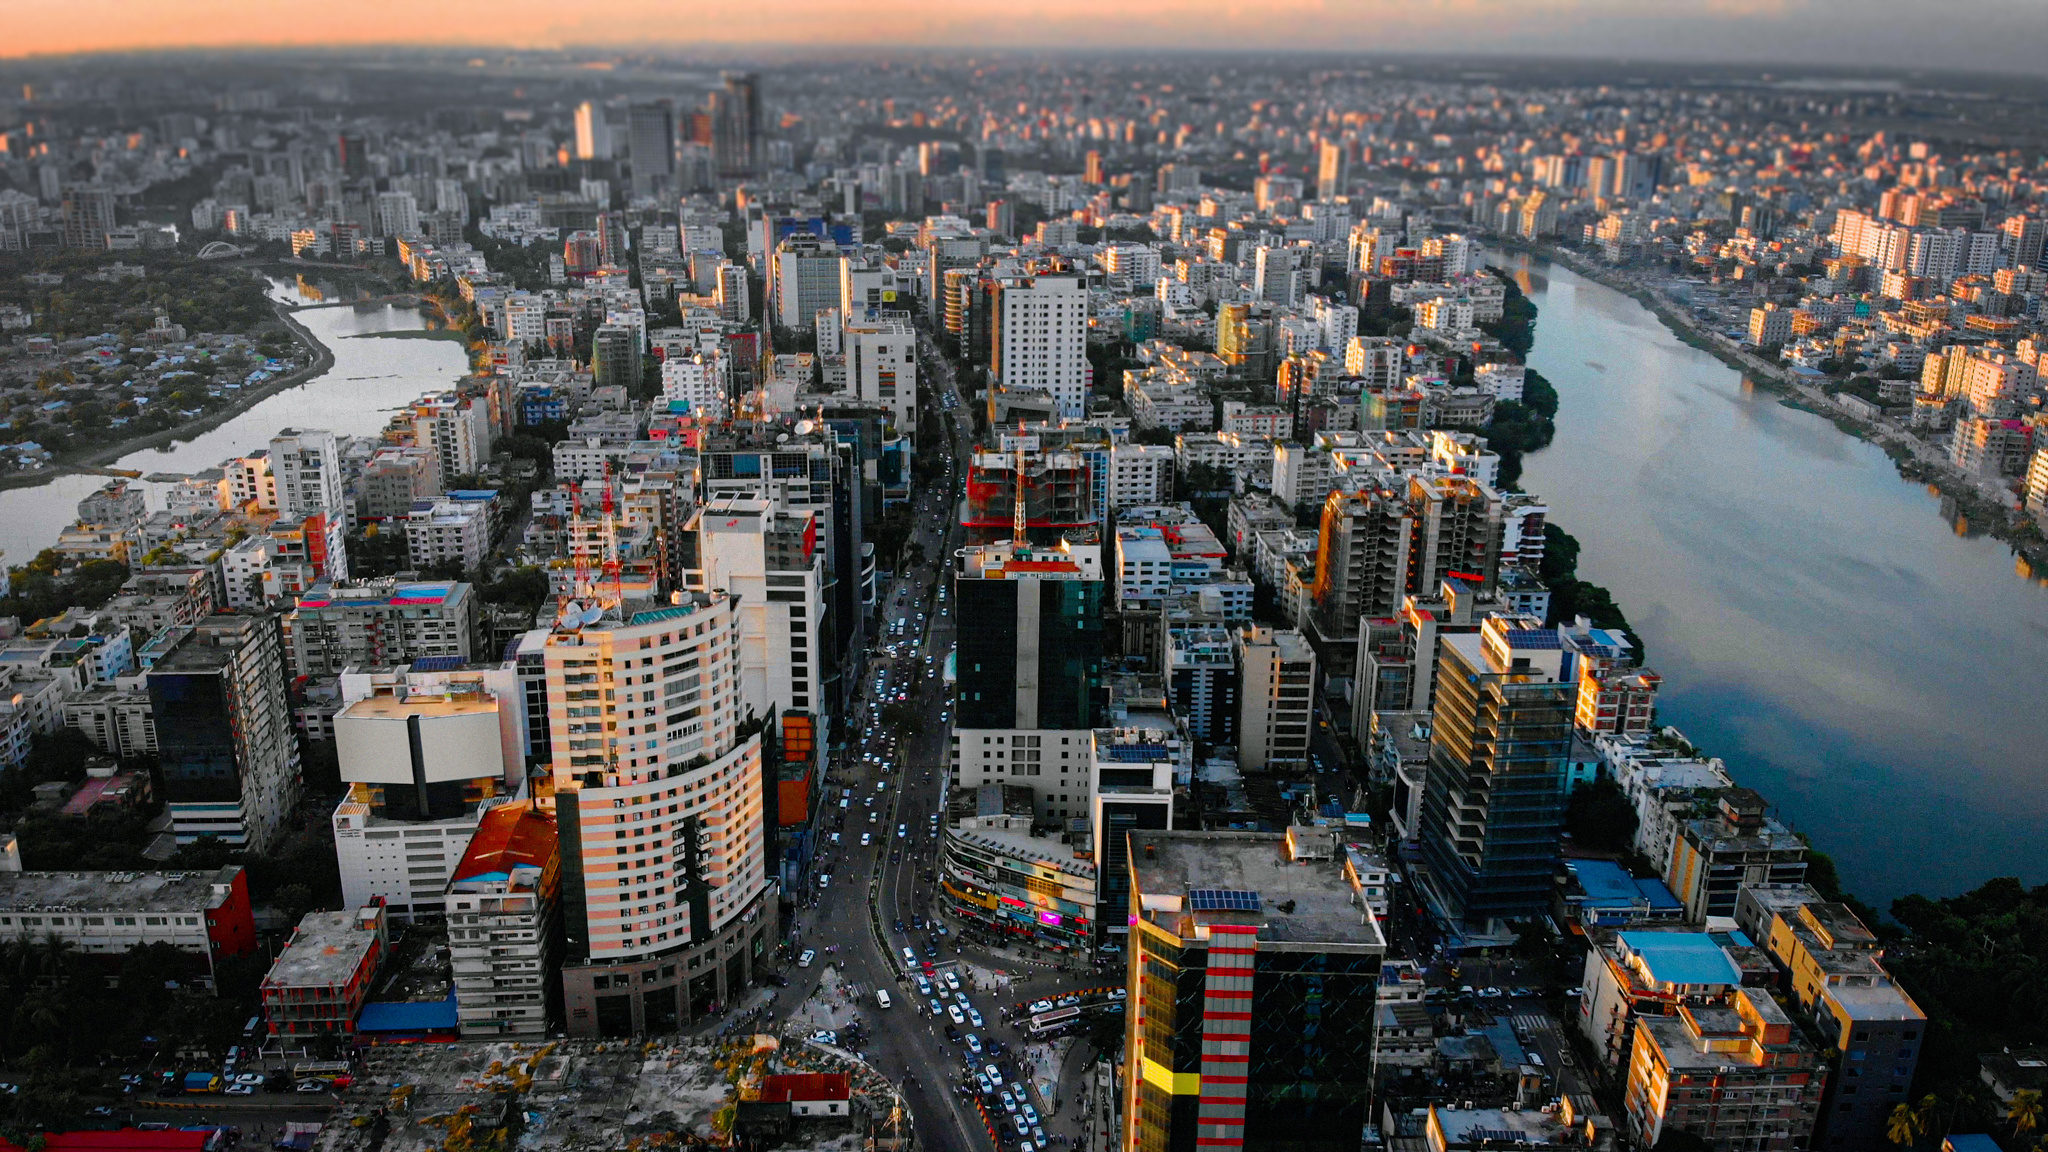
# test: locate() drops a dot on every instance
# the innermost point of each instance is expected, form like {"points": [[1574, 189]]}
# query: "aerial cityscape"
{"points": [[1024, 580]]}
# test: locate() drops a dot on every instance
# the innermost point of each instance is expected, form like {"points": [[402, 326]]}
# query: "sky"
{"points": [[1972, 35]]}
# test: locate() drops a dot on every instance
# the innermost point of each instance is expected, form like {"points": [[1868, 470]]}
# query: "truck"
{"points": [[202, 1081]]}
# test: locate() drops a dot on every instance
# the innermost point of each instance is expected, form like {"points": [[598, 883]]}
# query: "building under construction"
{"points": [[1057, 492]]}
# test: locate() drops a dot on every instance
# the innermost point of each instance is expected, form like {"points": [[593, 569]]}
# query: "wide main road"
{"points": [[873, 885]]}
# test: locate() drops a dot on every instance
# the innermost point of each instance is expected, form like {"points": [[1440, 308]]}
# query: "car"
{"points": [[924, 986], [1118, 993], [931, 951], [1521, 991], [938, 1008], [952, 978], [240, 1090], [311, 1086], [987, 1086], [953, 1011], [995, 1047], [1068, 1001], [896, 857], [104, 1110], [882, 998], [929, 968], [909, 956], [1576, 993], [974, 1044], [992, 1072], [1030, 1115], [866, 838], [974, 1017], [250, 1078], [1490, 993], [1009, 1101], [1022, 1128], [804, 961], [1037, 1134], [952, 1032], [1038, 1006]]}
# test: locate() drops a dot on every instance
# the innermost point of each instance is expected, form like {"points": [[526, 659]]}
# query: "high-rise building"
{"points": [[1276, 703], [1281, 275], [504, 925], [305, 467], [770, 559], [1333, 170], [1494, 800], [803, 279], [881, 366], [1202, 674], [1731, 1070], [228, 756], [660, 806], [1254, 978], [371, 623], [420, 772], [736, 125], [1029, 673], [352, 153], [88, 215], [593, 135], [615, 357], [1132, 771], [1092, 170], [651, 143], [1041, 339]]}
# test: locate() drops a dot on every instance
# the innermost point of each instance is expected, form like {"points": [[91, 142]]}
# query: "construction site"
{"points": [[765, 1091]]}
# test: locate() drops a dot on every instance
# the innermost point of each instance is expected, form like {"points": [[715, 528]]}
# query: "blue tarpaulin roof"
{"points": [[409, 1016], [1607, 884], [1683, 957]]}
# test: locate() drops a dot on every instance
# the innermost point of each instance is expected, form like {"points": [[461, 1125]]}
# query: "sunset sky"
{"points": [[2001, 35]]}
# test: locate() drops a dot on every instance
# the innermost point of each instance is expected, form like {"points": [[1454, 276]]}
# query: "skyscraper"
{"points": [[736, 125], [1494, 798], [305, 466], [1029, 671], [593, 136], [227, 753], [352, 151], [1254, 977], [660, 808], [651, 142]]}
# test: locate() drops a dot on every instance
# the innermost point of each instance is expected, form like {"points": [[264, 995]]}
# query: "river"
{"points": [[355, 397], [1822, 625]]}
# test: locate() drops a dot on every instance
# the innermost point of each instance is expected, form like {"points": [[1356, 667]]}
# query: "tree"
{"points": [[1903, 1128], [1599, 816], [2024, 1111]]}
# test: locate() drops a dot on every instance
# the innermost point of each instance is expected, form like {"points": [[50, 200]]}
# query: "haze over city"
{"points": [[1183, 576], [1981, 35]]}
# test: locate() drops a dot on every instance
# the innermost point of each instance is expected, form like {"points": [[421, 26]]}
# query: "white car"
{"points": [[974, 1017], [866, 838], [954, 1013], [804, 961], [953, 980], [241, 1090]]}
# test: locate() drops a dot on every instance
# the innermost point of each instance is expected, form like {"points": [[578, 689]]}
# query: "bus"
{"points": [[1046, 1022], [339, 1073]]}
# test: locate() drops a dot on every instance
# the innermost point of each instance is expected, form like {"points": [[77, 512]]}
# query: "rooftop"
{"points": [[325, 951], [1681, 957], [509, 838], [113, 891], [1300, 906]]}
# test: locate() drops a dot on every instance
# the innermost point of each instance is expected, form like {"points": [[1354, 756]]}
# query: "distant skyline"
{"points": [[1974, 35]]}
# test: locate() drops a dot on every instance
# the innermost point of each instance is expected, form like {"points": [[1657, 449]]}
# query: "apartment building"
{"points": [[317, 986], [372, 623], [504, 925], [206, 915], [228, 756], [1276, 698]]}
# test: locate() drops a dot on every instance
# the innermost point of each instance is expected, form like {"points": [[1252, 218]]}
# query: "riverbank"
{"points": [[93, 460], [1985, 507]]}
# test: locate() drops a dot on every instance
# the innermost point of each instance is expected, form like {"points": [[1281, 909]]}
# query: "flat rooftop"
{"points": [[112, 891], [1681, 957], [1880, 1000], [324, 952], [1300, 906]]}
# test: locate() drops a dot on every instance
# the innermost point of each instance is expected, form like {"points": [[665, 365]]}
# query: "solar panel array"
{"points": [[1222, 900]]}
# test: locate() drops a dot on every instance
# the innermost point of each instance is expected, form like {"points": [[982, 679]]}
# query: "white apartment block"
{"points": [[881, 367], [449, 532], [1140, 474], [1378, 361], [1042, 340], [771, 560], [1052, 762]]}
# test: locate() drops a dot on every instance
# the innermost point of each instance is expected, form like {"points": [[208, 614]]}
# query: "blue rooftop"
{"points": [[1607, 883], [409, 1016], [1682, 957]]}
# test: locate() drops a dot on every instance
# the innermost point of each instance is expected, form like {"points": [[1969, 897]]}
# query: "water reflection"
{"points": [[1842, 636]]}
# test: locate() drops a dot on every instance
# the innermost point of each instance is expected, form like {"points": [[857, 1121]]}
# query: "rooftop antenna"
{"points": [[578, 555], [612, 567], [1018, 527]]}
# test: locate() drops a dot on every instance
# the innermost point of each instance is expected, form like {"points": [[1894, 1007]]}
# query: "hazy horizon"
{"points": [[1991, 36]]}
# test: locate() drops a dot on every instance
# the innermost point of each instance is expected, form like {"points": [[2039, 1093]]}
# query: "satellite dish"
{"points": [[782, 438], [591, 615], [805, 427]]}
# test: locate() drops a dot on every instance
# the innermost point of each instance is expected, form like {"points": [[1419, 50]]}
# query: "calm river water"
{"points": [[1822, 625], [370, 378]]}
